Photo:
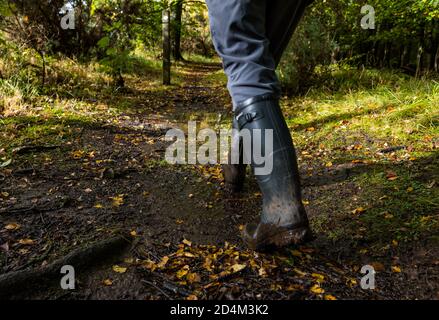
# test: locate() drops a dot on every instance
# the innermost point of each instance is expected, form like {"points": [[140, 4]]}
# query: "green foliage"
{"points": [[309, 48]]}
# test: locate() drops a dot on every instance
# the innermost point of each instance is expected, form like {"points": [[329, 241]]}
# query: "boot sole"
{"points": [[280, 239]]}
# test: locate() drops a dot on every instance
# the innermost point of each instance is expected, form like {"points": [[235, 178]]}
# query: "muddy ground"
{"points": [[110, 180]]}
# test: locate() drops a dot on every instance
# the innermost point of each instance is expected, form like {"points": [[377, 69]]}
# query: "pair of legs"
{"points": [[250, 37]]}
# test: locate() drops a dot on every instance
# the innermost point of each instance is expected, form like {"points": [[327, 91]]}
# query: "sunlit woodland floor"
{"points": [[88, 165]]}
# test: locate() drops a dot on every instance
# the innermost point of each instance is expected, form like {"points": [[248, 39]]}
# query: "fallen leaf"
{"points": [[316, 289], [193, 277], [119, 269], [78, 154], [238, 267], [133, 233], [107, 282], [26, 241], [391, 176], [358, 210], [182, 272], [396, 269], [330, 297], [388, 215], [318, 277], [163, 262], [12, 226], [262, 272], [98, 206], [299, 272], [378, 266], [6, 163], [187, 242], [117, 200], [192, 297]]}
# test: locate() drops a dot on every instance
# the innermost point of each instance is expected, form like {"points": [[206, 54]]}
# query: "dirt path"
{"points": [[111, 180]]}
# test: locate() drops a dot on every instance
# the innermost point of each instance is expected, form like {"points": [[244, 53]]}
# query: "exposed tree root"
{"points": [[19, 281]]}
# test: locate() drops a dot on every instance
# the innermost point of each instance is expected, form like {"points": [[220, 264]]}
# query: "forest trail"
{"points": [[111, 179]]}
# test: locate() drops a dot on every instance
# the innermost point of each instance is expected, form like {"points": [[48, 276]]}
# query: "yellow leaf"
{"points": [[107, 282], [98, 206], [78, 154], [388, 215], [118, 200], [189, 255], [262, 272], [238, 267], [352, 282], [119, 269], [358, 210], [318, 277], [409, 189], [208, 264], [182, 272], [296, 253], [316, 289], [12, 226], [26, 241], [299, 272], [193, 277], [192, 297], [394, 243], [310, 129], [329, 164], [163, 262], [149, 264], [187, 242], [330, 297], [133, 233], [396, 269]]}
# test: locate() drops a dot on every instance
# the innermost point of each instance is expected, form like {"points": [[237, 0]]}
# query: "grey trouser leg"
{"points": [[250, 37]]}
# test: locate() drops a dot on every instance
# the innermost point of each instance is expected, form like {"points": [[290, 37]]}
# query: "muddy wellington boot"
{"points": [[234, 174], [283, 220]]}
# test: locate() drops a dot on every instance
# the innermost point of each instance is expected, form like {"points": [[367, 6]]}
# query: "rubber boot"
{"points": [[234, 174], [283, 220]]}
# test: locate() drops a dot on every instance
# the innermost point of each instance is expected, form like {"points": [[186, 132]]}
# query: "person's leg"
{"points": [[240, 37], [282, 18]]}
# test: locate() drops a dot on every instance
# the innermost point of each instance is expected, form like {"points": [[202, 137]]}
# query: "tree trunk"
{"points": [[166, 47], [176, 50]]}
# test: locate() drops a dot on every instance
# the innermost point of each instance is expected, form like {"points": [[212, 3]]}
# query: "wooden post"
{"points": [[166, 46]]}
